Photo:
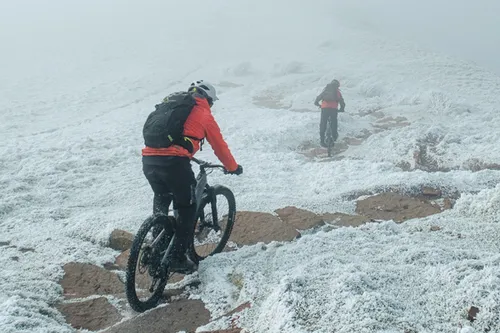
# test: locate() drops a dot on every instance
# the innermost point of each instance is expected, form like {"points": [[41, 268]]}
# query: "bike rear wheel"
{"points": [[214, 223], [145, 257]]}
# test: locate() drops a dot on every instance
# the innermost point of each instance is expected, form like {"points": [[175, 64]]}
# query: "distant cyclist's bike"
{"points": [[148, 265], [330, 142], [329, 135]]}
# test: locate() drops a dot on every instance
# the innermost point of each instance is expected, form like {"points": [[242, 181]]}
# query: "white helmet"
{"points": [[206, 87]]}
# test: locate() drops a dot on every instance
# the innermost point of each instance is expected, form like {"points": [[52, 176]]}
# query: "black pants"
{"points": [[172, 178], [325, 115]]}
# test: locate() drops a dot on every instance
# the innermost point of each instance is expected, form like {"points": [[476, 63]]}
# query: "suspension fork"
{"points": [[213, 203]]}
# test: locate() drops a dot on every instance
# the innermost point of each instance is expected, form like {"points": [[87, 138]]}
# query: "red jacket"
{"points": [[199, 124], [330, 98], [325, 104]]}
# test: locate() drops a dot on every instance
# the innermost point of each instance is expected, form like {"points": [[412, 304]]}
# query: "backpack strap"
{"points": [[187, 143], [202, 141]]}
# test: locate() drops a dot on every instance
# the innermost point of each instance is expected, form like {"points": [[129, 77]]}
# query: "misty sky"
{"points": [[466, 29], [37, 34]]}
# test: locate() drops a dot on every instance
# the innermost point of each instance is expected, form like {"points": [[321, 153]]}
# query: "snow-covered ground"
{"points": [[78, 79]]}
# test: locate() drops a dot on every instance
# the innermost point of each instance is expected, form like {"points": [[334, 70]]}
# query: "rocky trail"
{"points": [[94, 299]]}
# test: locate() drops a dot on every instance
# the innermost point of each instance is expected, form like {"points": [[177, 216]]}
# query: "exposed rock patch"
{"points": [[206, 249], [120, 240], [431, 192], [82, 280], [424, 192], [299, 218], [251, 228], [472, 313], [122, 259], [475, 164], [387, 123], [312, 149], [93, 315], [181, 315], [26, 249], [231, 330], [320, 152], [270, 100], [394, 206], [346, 220]]}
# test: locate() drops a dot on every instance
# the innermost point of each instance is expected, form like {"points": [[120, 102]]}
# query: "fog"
{"points": [[48, 36], [77, 30], [466, 29]]}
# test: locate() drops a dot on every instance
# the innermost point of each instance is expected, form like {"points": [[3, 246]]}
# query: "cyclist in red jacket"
{"points": [[168, 170], [330, 99]]}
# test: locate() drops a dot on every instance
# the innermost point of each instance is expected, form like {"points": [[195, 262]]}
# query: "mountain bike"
{"points": [[329, 135], [153, 242]]}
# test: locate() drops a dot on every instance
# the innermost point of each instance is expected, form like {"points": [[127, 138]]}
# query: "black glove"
{"points": [[341, 110], [238, 171], [317, 104]]}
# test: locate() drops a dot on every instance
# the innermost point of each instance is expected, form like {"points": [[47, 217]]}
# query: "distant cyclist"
{"points": [[173, 134], [330, 99]]}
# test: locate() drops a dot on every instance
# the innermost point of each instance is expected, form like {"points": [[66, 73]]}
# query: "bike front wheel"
{"points": [[145, 278], [215, 220]]}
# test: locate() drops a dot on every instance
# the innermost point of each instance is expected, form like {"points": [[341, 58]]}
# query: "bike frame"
{"points": [[329, 134], [202, 188]]}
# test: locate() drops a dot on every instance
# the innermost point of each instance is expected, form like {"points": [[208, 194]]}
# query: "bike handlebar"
{"points": [[208, 165]]}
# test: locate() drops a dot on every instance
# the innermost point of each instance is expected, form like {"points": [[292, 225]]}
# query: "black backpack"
{"points": [[330, 93], [165, 125]]}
